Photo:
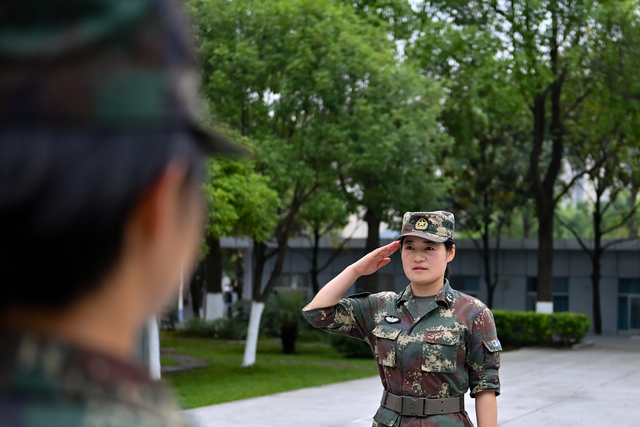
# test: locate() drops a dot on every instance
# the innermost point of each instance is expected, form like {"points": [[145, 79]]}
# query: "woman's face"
{"points": [[424, 261]]}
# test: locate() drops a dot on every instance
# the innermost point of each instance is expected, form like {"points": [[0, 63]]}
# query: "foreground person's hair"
{"points": [[64, 202]]}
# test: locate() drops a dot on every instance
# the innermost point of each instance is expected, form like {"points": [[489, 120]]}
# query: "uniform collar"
{"points": [[445, 295]]}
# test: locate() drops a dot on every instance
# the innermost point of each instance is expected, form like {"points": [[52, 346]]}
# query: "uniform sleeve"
{"points": [[483, 354], [345, 318]]}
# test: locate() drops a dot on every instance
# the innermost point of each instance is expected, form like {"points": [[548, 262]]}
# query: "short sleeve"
{"points": [[345, 318], [483, 354]]}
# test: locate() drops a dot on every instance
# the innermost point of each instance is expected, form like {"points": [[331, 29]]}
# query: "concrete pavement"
{"points": [[595, 385]]}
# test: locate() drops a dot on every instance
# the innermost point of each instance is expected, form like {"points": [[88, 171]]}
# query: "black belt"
{"points": [[422, 406]]}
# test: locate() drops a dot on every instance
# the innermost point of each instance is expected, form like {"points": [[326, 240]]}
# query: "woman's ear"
{"points": [[451, 254]]}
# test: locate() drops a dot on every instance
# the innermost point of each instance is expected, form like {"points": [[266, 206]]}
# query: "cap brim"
{"points": [[426, 236], [216, 145]]}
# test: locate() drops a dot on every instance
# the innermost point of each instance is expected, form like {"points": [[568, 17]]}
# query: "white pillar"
{"points": [[214, 306], [252, 334], [544, 307], [180, 302], [154, 348]]}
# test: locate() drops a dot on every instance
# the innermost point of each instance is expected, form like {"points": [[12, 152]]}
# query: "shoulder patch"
{"points": [[493, 345], [360, 295]]}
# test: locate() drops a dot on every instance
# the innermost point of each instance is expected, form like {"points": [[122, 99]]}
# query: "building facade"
{"points": [[517, 269]]}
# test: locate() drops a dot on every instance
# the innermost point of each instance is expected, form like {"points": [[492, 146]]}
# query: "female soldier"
{"points": [[431, 342]]}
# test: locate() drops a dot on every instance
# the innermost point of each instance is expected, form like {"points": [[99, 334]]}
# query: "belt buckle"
{"points": [[412, 406]]}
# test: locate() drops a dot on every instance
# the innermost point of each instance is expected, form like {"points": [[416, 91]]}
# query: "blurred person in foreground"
{"points": [[101, 159]]}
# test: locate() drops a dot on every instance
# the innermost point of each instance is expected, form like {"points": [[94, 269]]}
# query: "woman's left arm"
{"points": [[486, 409]]}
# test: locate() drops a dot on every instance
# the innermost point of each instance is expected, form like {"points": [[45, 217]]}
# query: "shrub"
{"points": [[569, 328], [351, 347], [283, 315], [526, 328], [229, 329]]}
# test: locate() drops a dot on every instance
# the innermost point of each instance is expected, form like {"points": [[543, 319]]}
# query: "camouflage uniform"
{"points": [[45, 382], [448, 349]]}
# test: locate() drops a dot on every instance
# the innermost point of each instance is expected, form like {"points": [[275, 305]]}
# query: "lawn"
{"points": [[223, 380]]}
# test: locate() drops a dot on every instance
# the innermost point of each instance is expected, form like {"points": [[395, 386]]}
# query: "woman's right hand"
{"points": [[375, 260]]}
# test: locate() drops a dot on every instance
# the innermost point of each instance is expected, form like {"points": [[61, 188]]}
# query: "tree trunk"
{"points": [[214, 302], [260, 251], [251, 346], [370, 282], [486, 260], [196, 287], [633, 229], [543, 190], [597, 262], [213, 265], [545, 258], [289, 336], [315, 285], [239, 267], [526, 224]]}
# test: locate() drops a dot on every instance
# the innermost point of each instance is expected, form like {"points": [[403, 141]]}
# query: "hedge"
{"points": [[526, 328], [515, 329]]}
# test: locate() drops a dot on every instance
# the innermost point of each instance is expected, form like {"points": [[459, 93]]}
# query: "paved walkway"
{"points": [[597, 385]]}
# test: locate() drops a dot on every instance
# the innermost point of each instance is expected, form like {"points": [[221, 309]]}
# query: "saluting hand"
{"points": [[375, 260]]}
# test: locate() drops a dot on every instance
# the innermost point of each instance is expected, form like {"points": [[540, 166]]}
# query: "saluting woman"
{"points": [[431, 342]]}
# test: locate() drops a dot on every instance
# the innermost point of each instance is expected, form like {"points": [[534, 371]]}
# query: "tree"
{"points": [[240, 203], [609, 134], [546, 50], [393, 160], [287, 74], [487, 120]]}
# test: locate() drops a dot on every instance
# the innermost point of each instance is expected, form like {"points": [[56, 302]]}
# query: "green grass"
{"points": [[223, 380], [167, 361]]}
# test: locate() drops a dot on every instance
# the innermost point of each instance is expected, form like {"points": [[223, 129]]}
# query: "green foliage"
{"points": [[284, 308], [526, 328], [351, 347], [231, 329], [239, 198], [569, 328]]}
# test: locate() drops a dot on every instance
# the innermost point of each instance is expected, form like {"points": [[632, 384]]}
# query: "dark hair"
{"points": [[65, 197], [448, 245]]}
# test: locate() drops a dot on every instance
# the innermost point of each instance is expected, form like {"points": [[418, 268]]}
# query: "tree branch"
{"points": [[577, 236], [623, 222], [618, 241]]}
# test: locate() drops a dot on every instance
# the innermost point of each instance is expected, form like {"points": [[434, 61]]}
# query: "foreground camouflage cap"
{"points": [[100, 64], [436, 226]]}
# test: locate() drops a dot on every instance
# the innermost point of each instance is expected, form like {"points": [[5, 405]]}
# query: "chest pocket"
{"points": [[440, 351], [385, 344]]}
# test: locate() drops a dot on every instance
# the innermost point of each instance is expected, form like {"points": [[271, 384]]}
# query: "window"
{"points": [[470, 285], [560, 293], [628, 304]]}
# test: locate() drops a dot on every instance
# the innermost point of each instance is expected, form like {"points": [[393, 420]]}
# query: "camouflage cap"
{"points": [[436, 226], [101, 64]]}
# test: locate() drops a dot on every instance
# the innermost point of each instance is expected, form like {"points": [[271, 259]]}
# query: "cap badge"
{"points": [[392, 319], [421, 224]]}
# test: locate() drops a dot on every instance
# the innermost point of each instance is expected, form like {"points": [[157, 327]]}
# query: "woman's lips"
{"points": [[418, 268]]}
